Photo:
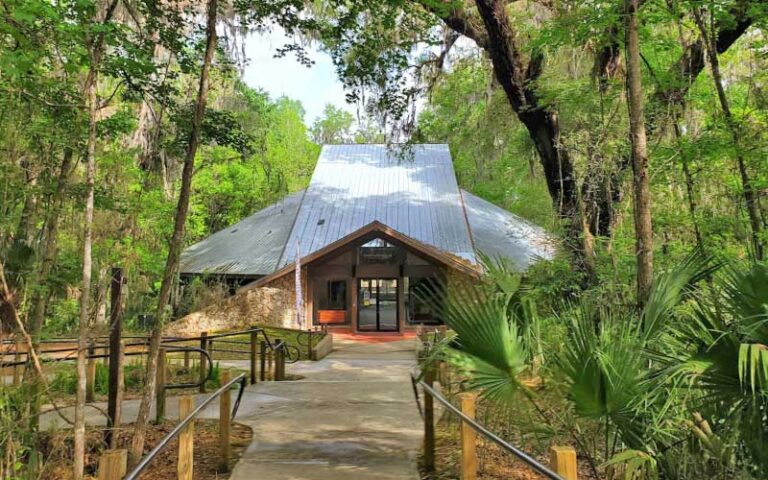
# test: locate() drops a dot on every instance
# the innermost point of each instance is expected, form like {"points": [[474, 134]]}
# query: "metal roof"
{"points": [[413, 191], [250, 247], [498, 232]]}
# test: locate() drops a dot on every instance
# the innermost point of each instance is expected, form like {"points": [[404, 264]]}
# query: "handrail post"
{"points": [[254, 353], [160, 387], [562, 459], [468, 437], [186, 440], [113, 464], [90, 374], [263, 361], [279, 361], [203, 366], [225, 406], [429, 420]]}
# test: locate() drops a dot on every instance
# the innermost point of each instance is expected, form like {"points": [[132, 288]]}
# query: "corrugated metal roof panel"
{"points": [[498, 232], [412, 191], [250, 247]]}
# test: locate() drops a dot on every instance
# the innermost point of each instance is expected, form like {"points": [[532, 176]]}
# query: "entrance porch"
{"points": [[372, 286]]}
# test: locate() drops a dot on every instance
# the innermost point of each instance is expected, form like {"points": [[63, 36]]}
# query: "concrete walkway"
{"points": [[352, 416]]}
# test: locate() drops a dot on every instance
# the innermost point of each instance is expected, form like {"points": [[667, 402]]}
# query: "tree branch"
{"points": [[458, 20]]}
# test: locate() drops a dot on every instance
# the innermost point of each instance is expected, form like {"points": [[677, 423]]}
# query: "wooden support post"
{"points": [[203, 361], [270, 365], [90, 375], [186, 440], [113, 464], [263, 360], [17, 358], [429, 421], [115, 399], [254, 353], [116, 357], [309, 344], [468, 438], [279, 361], [563, 461], [225, 407], [160, 388], [186, 360]]}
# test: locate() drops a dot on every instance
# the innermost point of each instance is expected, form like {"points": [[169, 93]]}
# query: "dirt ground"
{"points": [[58, 446], [493, 462]]}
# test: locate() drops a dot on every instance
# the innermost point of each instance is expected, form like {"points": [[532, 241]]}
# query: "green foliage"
{"points": [[639, 377]]}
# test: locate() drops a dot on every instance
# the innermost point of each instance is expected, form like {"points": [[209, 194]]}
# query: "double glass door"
{"points": [[377, 305]]}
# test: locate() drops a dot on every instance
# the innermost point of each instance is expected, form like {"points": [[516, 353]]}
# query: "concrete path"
{"points": [[352, 417]]}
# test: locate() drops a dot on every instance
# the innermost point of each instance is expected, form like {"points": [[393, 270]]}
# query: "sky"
{"points": [[314, 86]]}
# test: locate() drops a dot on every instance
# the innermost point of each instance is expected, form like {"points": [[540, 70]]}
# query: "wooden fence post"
{"points": [[254, 353], [16, 359], [468, 438], [279, 361], [90, 374], [113, 464], [309, 344], [160, 388], [115, 397], [186, 440], [563, 461], [116, 356], [429, 421], [263, 361], [186, 360], [203, 360], [225, 406]]}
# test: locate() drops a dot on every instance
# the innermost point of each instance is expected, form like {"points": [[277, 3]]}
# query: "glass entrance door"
{"points": [[377, 305]]}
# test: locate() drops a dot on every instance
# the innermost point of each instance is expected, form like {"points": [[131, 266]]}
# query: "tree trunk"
{"points": [[640, 180], [751, 199], [689, 187], [92, 101], [48, 249], [175, 245], [85, 294]]}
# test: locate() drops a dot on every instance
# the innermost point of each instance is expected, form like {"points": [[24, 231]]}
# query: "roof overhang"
{"points": [[373, 230]]}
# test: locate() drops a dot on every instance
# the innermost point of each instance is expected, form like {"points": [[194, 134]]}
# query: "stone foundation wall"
{"points": [[272, 305]]}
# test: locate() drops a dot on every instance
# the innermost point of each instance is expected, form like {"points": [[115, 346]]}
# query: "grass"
{"points": [[64, 382]]}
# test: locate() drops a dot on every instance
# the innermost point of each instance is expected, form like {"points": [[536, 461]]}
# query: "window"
{"points": [[379, 251], [423, 293], [335, 295]]}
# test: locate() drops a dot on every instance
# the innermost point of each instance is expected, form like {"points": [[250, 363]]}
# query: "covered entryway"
{"points": [[377, 305]]}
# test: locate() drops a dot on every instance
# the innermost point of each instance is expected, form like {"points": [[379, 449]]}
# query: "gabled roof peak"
{"points": [[410, 188]]}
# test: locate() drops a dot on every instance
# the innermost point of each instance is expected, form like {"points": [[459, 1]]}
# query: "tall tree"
{"points": [[96, 52], [333, 127], [751, 199], [176, 242], [637, 135]]}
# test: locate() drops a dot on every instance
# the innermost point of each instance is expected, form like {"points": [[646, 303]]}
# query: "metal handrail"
{"points": [[144, 463], [479, 428], [208, 363]]}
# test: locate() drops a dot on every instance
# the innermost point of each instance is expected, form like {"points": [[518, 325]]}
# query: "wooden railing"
{"points": [[113, 463], [267, 362], [562, 458]]}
